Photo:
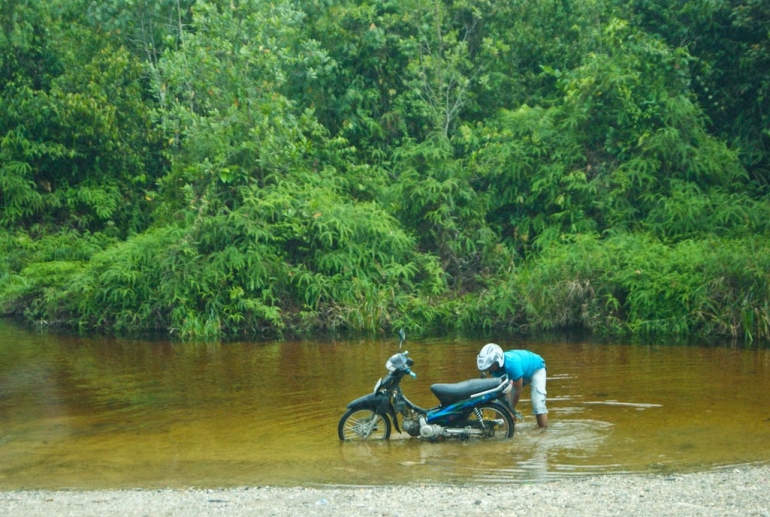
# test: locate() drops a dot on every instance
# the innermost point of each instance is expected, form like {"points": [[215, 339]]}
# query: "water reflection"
{"points": [[92, 413]]}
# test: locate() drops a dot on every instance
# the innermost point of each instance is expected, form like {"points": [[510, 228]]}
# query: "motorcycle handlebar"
{"points": [[396, 376]]}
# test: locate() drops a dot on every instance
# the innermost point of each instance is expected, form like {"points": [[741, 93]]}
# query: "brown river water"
{"points": [[108, 413]]}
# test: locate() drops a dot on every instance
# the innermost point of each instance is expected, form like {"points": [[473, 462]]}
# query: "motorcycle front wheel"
{"points": [[495, 422], [363, 424]]}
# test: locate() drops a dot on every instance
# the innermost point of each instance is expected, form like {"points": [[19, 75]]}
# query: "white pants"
{"points": [[537, 388]]}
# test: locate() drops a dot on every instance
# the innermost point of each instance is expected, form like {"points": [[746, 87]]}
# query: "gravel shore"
{"points": [[737, 491]]}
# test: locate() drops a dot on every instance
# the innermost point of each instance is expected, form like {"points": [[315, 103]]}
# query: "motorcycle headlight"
{"points": [[396, 362]]}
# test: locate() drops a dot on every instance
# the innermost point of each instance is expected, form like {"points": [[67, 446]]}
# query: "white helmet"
{"points": [[490, 354]]}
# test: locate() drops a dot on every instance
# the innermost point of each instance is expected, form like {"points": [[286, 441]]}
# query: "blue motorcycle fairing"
{"points": [[446, 415]]}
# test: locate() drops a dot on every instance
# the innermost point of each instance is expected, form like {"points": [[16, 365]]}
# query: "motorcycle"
{"points": [[475, 408]]}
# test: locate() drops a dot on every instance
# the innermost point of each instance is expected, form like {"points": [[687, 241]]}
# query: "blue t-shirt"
{"points": [[520, 363]]}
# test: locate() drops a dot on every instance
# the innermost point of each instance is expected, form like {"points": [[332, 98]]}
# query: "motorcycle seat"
{"points": [[450, 393]]}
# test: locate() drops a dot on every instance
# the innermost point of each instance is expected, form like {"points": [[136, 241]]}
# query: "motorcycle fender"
{"points": [[503, 403], [373, 401], [378, 403]]}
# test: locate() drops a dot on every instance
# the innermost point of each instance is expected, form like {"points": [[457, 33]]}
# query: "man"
{"points": [[523, 367]]}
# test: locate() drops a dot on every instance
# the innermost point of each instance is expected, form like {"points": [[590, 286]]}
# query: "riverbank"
{"points": [[738, 491]]}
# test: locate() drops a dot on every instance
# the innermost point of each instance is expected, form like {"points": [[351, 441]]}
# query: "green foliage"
{"points": [[521, 42], [369, 46], [286, 258], [76, 141], [731, 47], [216, 169], [34, 268], [537, 175], [621, 147], [146, 27], [435, 197], [627, 284], [222, 108], [635, 283], [442, 73]]}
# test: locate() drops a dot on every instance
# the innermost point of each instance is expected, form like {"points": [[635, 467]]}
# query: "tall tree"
{"points": [[731, 78], [78, 146]]}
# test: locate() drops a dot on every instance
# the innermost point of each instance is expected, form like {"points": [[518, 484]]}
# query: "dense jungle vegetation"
{"points": [[225, 168]]}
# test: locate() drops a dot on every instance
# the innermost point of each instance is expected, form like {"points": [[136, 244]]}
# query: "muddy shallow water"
{"points": [[108, 413]]}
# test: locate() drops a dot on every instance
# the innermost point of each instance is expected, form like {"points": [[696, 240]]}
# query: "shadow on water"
{"points": [[97, 413]]}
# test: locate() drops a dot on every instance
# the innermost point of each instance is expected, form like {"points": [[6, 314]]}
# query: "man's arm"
{"points": [[516, 391]]}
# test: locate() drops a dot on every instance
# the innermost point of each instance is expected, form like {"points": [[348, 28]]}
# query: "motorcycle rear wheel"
{"points": [[363, 425], [498, 422]]}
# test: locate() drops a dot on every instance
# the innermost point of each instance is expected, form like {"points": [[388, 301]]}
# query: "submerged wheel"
{"points": [[363, 424], [498, 423]]}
